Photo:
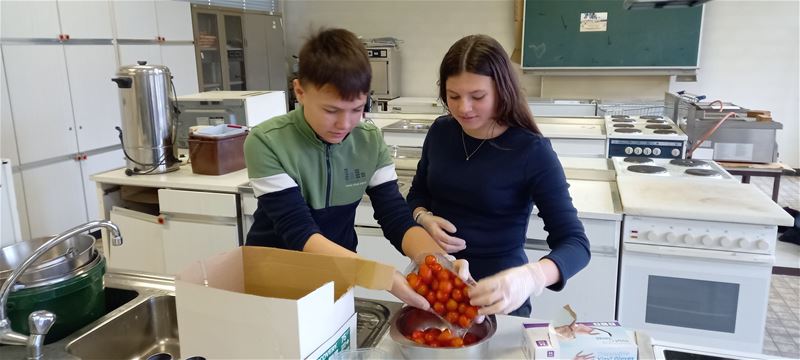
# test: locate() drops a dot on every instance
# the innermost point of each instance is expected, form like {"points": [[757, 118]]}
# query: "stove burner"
{"points": [[647, 169], [665, 132], [628, 131], [653, 121], [687, 162], [651, 117], [619, 116], [659, 127], [623, 125], [638, 160], [703, 172], [623, 120]]}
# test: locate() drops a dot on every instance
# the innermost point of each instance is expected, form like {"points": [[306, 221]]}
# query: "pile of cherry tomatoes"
{"points": [[445, 291], [434, 337]]}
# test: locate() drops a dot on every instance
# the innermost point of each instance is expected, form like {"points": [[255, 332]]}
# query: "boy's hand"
{"points": [[406, 294]]}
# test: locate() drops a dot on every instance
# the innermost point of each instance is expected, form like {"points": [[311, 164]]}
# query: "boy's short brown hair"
{"points": [[336, 57]]}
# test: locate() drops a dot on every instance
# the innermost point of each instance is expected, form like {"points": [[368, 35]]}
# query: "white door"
{"points": [[131, 54], [95, 99], [54, 196], [181, 63], [94, 164], [135, 19], [9, 218], [8, 141], [29, 19], [82, 19], [174, 20], [42, 108], [186, 241], [141, 247]]}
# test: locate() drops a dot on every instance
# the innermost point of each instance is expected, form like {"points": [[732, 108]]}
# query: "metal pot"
{"points": [[51, 267], [408, 319]]}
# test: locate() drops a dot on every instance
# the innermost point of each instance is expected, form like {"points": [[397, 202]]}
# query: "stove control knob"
{"points": [[725, 241], [629, 150], [637, 150], [676, 152], [651, 235], [688, 239], [671, 238], [647, 151], [656, 151], [762, 244], [707, 240], [743, 243]]}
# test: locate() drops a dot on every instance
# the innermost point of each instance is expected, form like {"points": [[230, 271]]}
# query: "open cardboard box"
{"points": [[258, 302]]}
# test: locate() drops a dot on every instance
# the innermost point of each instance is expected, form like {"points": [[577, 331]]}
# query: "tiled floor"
{"points": [[782, 336]]}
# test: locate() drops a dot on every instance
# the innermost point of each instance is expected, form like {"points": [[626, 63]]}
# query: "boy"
{"points": [[310, 167]]}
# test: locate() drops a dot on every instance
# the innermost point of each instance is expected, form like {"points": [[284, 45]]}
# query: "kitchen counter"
{"points": [[574, 128], [183, 178]]}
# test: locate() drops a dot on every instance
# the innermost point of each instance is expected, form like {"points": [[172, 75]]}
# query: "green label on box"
{"points": [[342, 344]]}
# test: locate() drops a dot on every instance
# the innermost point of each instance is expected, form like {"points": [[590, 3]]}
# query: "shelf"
{"points": [[234, 48], [237, 82], [208, 49], [211, 85]]}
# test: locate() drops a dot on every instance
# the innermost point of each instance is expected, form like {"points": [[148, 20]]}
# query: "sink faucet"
{"points": [[42, 320]]}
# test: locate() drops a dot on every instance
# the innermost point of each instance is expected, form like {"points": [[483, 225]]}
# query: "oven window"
{"points": [[688, 303]]}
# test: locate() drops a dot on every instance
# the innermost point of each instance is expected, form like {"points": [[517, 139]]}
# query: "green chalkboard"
{"points": [[555, 37]]}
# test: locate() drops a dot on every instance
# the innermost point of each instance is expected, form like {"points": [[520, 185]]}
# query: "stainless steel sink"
{"points": [[409, 125], [147, 329]]}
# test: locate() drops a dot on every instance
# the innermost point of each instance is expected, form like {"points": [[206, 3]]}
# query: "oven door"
{"points": [[698, 297]]}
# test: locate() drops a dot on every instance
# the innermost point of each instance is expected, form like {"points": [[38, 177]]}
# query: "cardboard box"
{"points": [[257, 302], [580, 340]]}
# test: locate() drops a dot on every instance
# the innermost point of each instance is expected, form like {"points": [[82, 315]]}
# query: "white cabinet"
{"points": [[141, 248], [135, 19], [130, 54], [186, 241], [181, 63], [8, 141], [174, 20], [29, 19], [54, 197], [82, 19], [93, 164], [95, 99], [40, 101]]}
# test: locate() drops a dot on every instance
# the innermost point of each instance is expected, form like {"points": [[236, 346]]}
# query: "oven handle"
{"points": [[541, 245], [698, 253]]}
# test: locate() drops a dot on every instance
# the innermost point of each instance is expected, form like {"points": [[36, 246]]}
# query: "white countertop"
{"points": [[724, 201], [573, 131], [183, 178], [596, 199], [583, 168]]}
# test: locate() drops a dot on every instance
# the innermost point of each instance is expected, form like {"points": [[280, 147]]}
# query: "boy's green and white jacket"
{"points": [[305, 185]]}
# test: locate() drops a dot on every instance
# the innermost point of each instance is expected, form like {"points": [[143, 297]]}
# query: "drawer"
{"points": [[197, 203], [603, 235], [579, 147], [141, 248]]}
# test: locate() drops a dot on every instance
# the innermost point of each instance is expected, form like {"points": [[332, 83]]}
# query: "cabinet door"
{"points": [[255, 51], [29, 19], [81, 19], [135, 19], [130, 54], [209, 60], [141, 248], [94, 164], [174, 20], [22, 208], [40, 99], [276, 53], [54, 197], [183, 67], [188, 241], [8, 141], [95, 99]]}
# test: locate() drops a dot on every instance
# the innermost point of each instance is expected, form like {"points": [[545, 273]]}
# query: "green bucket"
{"points": [[75, 301]]}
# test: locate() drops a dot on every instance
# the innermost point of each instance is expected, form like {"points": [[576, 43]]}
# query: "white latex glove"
{"points": [[462, 268], [405, 293], [505, 291], [440, 229]]}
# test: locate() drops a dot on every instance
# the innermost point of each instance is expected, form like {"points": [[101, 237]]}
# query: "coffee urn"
{"points": [[148, 118]]}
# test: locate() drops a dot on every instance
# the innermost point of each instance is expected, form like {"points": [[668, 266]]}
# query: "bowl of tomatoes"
{"points": [[422, 335]]}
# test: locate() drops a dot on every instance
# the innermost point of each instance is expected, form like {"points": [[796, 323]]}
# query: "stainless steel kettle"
{"points": [[149, 117]]}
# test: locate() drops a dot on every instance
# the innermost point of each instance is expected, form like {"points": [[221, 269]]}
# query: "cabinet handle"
{"points": [[70, 128], [85, 156]]}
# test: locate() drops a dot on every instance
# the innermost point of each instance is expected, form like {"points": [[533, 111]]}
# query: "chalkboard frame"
{"points": [[602, 46]]}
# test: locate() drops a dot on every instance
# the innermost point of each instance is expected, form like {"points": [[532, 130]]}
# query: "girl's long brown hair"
{"points": [[483, 55]]}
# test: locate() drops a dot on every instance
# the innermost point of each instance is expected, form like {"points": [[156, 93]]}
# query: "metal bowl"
{"points": [[61, 260], [409, 318]]}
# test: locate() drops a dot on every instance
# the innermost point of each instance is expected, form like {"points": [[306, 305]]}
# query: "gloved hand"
{"points": [[440, 229], [505, 291], [405, 293]]}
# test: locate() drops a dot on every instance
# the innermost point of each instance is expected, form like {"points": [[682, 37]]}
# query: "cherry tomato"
{"points": [[413, 280], [439, 308], [430, 337], [443, 275], [445, 285], [463, 321], [451, 305], [442, 296], [462, 307], [431, 297], [417, 334], [436, 267], [451, 317], [422, 289], [430, 260], [471, 312], [425, 274], [445, 335], [435, 284], [456, 342], [458, 283], [419, 341], [457, 295]]}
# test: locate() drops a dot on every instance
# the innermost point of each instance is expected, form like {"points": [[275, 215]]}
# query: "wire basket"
{"points": [[631, 109]]}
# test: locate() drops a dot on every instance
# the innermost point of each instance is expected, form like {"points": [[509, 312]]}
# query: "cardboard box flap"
{"points": [[288, 270], [226, 272]]}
